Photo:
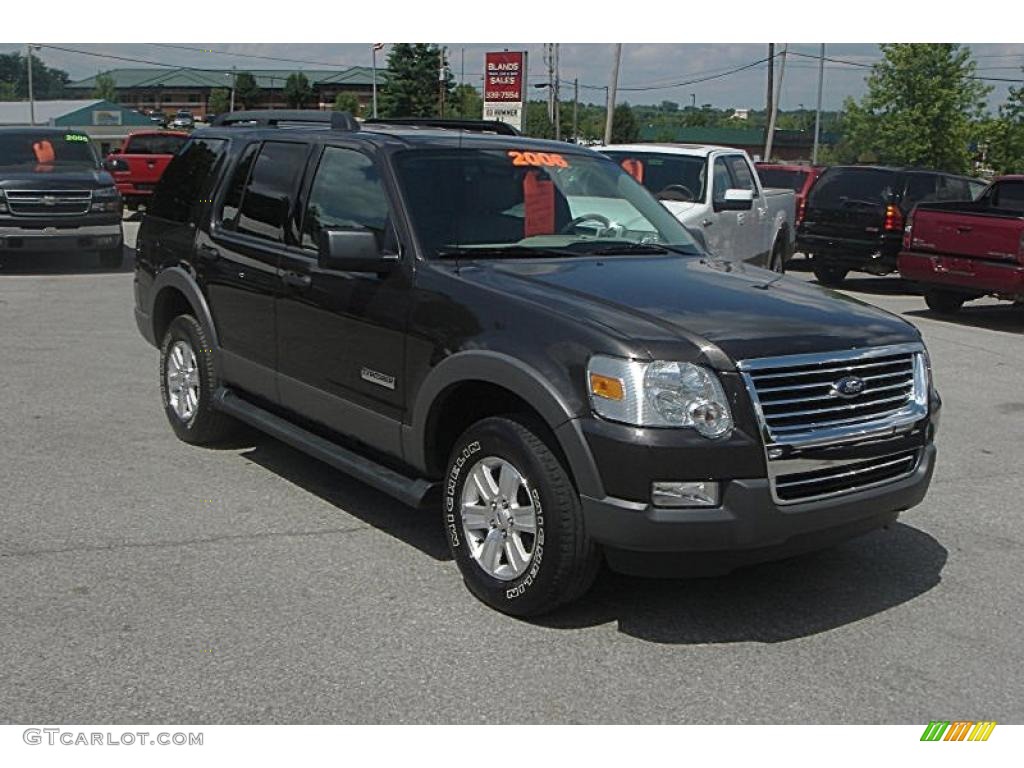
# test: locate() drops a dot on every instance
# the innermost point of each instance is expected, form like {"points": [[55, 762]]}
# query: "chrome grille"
{"points": [[38, 202], [807, 403], [845, 478]]}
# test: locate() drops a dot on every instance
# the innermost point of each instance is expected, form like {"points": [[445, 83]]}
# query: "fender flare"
{"points": [[180, 280], [522, 380]]}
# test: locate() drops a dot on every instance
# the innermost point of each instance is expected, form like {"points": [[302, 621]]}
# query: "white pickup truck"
{"points": [[715, 191]]}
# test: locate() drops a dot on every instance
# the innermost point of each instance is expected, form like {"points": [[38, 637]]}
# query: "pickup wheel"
{"points": [[112, 258], [513, 520], [188, 380], [829, 274], [944, 302]]}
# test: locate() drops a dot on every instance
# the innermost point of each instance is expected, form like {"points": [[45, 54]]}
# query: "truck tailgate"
{"points": [[143, 170], [967, 235]]}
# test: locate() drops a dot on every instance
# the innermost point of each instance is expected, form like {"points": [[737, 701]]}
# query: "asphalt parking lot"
{"points": [[145, 580]]}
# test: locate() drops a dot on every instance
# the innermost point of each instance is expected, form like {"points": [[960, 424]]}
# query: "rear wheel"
{"points": [[188, 381], [944, 302], [514, 521], [828, 274]]}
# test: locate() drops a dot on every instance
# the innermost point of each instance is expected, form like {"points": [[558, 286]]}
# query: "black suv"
{"points": [[56, 195], [855, 214], [517, 335]]}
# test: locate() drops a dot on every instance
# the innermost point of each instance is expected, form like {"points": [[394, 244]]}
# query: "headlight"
{"points": [[658, 394], [106, 199]]}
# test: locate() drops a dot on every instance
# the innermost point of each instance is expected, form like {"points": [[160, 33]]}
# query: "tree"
{"points": [[347, 102], [467, 102], [536, 122], [669, 106], [297, 90], [220, 101], [413, 86], [105, 88], [921, 108], [624, 125], [1004, 136], [47, 83], [247, 91]]}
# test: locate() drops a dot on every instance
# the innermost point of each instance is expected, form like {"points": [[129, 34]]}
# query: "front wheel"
{"points": [[829, 274], [513, 520]]}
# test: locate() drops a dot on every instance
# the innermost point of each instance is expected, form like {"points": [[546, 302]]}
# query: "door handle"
{"points": [[297, 280], [209, 252], [707, 223], [964, 230]]}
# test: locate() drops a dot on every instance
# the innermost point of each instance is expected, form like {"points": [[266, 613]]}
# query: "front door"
{"points": [[341, 335], [721, 228]]}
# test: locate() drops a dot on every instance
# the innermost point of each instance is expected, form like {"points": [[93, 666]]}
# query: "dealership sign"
{"points": [[505, 87]]}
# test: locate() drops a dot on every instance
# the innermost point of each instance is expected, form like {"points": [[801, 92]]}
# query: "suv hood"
{"points": [[70, 178], [659, 301]]}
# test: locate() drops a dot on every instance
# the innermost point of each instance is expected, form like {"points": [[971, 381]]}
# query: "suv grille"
{"points": [[806, 404], [49, 202], [800, 399], [846, 478]]}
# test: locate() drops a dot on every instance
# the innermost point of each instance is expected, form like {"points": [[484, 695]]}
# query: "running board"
{"points": [[408, 490]]}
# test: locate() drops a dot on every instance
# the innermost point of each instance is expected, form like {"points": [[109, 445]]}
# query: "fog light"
{"points": [[690, 494]]}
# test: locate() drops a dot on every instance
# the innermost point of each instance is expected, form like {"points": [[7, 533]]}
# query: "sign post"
{"points": [[505, 87]]}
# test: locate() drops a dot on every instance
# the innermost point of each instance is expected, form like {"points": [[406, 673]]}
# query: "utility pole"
{"points": [[771, 81], [441, 80], [31, 94], [549, 59], [234, 84], [775, 106], [817, 115], [557, 97], [612, 88], [575, 108]]}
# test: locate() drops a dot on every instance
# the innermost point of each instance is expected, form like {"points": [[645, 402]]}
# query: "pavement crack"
{"points": [[182, 542]]}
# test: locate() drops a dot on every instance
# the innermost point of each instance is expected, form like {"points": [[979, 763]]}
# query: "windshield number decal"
{"points": [[76, 137], [538, 159]]}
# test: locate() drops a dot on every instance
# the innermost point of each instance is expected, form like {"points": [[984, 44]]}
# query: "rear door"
{"points": [[341, 335], [240, 259], [849, 203]]}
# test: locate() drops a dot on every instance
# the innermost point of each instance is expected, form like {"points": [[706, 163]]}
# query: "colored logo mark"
{"points": [[958, 730]]}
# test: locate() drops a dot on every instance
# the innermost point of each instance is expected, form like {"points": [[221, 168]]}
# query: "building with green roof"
{"points": [[169, 89], [787, 145]]}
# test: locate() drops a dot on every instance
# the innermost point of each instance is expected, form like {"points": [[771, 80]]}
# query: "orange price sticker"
{"points": [[538, 159]]}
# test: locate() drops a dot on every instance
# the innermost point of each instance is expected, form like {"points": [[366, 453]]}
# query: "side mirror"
{"points": [[736, 200], [115, 165], [353, 250]]}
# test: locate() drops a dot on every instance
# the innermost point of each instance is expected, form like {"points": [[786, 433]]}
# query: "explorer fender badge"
{"points": [[378, 378]]}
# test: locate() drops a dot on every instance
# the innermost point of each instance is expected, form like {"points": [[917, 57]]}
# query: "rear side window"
{"points": [[921, 188], [840, 187], [781, 179], [1009, 195], [953, 188], [266, 200], [188, 180], [347, 193], [233, 195], [154, 145]]}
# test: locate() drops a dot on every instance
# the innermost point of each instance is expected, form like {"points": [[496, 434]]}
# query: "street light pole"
{"points": [[31, 94], [575, 108], [775, 105], [612, 87], [234, 84]]}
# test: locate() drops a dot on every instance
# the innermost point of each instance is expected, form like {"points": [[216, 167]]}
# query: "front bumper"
{"points": [[748, 527], [92, 237]]}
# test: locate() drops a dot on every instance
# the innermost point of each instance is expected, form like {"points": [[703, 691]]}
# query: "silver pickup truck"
{"points": [[715, 192]]}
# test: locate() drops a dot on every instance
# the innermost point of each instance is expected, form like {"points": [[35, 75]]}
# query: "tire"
{"points": [[194, 420], [561, 560], [944, 302], [112, 258], [828, 274]]}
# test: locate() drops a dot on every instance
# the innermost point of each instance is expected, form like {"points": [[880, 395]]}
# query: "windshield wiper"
{"points": [[624, 249], [511, 251]]}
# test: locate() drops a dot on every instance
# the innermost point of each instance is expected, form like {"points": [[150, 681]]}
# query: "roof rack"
{"points": [[480, 126], [338, 121]]}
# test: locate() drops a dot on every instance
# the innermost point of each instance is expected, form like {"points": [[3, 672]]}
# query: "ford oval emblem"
{"points": [[849, 386]]}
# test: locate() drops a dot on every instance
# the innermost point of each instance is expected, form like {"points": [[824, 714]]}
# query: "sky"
{"points": [[650, 73]]}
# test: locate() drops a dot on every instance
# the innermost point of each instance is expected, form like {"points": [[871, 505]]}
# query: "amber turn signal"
{"points": [[606, 387]]}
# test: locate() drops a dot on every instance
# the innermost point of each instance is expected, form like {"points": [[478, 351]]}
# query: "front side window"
{"points": [[266, 200], [233, 195], [723, 180], [741, 174], [188, 180], [513, 200], [347, 193]]}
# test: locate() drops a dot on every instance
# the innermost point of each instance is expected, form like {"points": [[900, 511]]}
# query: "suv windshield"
{"points": [[779, 178], [671, 177], [508, 201], [841, 187], [35, 151]]}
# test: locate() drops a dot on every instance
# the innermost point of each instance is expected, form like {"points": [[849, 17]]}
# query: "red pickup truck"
{"points": [[960, 251], [799, 178], [144, 157]]}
